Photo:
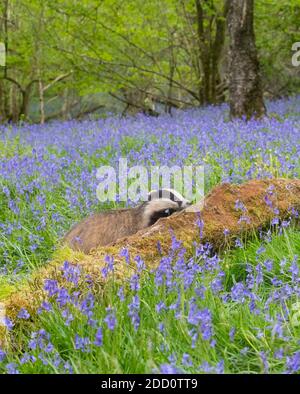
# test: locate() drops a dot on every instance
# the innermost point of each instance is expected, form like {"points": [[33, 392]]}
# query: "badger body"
{"points": [[104, 228]]}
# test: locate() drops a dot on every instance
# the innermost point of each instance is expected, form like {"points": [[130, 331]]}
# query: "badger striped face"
{"points": [[169, 194], [162, 203]]}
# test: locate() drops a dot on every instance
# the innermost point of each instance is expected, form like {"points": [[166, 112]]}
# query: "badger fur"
{"points": [[106, 227]]}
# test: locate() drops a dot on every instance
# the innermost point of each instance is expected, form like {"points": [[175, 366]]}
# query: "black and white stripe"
{"points": [[169, 194]]}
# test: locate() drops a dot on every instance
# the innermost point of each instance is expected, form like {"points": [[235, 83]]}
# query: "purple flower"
{"points": [[186, 360], [158, 245], [87, 304], [200, 292], [104, 272], [71, 272], [82, 343], [217, 283], [2, 355], [238, 243], [278, 354], [68, 368], [8, 323], [27, 358], [226, 232], [206, 367], [12, 369], [109, 266], [202, 319], [139, 263], [261, 250], [161, 327], [160, 307], [125, 253], [268, 264], [265, 362], [275, 221], [294, 269], [99, 337], [63, 297], [232, 334], [110, 319], [259, 274], [121, 294], [238, 292], [169, 369], [176, 244], [46, 306], [239, 206], [23, 314], [135, 282], [268, 201], [133, 313], [244, 351], [245, 219], [48, 348], [43, 359], [220, 368], [67, 315], [293, 363], [51, 286], [200, 225], [172, 359]]}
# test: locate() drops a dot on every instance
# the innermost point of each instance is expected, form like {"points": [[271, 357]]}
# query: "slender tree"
{"points": [[245, 87]]}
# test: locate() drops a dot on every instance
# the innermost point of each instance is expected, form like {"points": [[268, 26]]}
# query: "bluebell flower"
{"points": [[12, 369], [23, 314], [51, 286], [186, 360], [121, 294], [169, 369], [135, 282], [293, 363], [125, 253], [99, 337], [110, 319], [82, 343], [2, 355], [71, 272], [8, 323]]}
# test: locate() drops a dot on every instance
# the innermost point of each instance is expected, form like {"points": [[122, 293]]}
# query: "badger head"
{"points": [[162, 203]]}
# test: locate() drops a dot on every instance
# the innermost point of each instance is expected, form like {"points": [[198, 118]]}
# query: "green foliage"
{"points": [[134, 46], [161, 335]]}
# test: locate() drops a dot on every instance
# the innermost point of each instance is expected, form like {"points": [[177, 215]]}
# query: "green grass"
{"points": [[126, 350]]}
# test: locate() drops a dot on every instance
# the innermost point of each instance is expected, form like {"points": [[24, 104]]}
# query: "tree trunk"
{"points": [[211, 37], [25, 103], [245, 87], [14, 104], [2, 99], [42, 102], [65, 106]]}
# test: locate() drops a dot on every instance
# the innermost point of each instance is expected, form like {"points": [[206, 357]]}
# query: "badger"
{"points": [[106, 227]]}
